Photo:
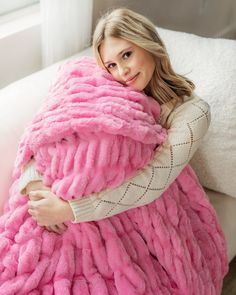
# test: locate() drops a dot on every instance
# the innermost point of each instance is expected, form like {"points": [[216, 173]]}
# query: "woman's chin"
{"points": [[136, 88]]}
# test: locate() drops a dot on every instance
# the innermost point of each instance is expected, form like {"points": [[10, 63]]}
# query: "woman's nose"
{"points": [[123, 70]]}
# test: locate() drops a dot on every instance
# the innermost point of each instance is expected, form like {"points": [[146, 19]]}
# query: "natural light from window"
{"points": [[14, 5]]}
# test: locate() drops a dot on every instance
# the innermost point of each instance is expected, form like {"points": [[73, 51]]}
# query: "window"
{"points": [[13, 5]]}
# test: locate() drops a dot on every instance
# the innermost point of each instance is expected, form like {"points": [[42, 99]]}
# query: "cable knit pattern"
{"points": [[93, 133]]}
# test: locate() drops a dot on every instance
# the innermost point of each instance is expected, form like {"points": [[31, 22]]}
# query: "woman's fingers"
{"points": [[57, 228], [31, 205], [53, 228], [62, 226], [36, 195], [34, 185], [32, 212]]}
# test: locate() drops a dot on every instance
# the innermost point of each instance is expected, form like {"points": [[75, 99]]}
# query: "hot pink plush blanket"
{"points": [[92, 133]]}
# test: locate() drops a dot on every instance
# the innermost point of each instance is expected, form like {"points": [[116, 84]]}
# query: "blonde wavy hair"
{"points": [[133, 27]]}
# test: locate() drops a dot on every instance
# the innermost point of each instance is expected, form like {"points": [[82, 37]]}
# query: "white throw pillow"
{"points": [[211, 65]]}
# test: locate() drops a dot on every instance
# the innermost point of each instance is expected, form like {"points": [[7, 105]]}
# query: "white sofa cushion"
{"points": [[225, 207], [211, 64]]}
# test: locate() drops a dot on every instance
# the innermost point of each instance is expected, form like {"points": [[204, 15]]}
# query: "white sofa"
{"points": [[210, 63]]}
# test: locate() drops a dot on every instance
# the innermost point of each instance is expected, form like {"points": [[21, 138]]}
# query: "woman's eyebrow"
{"points": [[120, 53]]}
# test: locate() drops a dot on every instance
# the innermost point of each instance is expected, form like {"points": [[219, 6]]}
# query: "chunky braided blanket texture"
{"points": [[92, 133]]}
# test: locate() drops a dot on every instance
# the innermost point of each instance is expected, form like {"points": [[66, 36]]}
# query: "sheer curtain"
{"points": [[66, 28]]}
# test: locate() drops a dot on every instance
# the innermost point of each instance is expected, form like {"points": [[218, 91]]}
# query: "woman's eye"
{"points": [[127, 54], [111, 66]]}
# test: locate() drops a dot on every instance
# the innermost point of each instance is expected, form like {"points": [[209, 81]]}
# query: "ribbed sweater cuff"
{"points": [[28, 175], [83, 207]]}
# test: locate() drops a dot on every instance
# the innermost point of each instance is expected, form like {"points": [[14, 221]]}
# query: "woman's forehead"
{"points": [[112, 47]]}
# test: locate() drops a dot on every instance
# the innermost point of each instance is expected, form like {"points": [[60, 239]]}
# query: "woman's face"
{"points": [[128, 63]]}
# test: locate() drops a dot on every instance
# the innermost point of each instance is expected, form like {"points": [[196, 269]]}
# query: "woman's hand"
{"points": [[38, 185], [49, 210], [57, 228], [34, 186]]}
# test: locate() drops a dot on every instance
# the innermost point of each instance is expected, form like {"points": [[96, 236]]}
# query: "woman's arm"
{"points": [[187, 124]]}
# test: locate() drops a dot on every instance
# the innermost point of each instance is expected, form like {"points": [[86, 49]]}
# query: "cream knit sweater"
{"points": [[187, 123]]}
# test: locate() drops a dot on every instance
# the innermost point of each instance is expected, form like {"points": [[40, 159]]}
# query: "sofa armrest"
{"points": [[225, 207]]}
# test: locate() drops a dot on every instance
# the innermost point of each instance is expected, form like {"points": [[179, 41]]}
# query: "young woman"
{"points": [[128, 46], [158, 245]]}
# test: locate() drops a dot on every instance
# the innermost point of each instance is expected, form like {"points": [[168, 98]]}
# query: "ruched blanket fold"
{"points": [[93, 133]]}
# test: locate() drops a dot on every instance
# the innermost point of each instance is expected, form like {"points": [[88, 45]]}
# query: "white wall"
{"points": [[208, 18], [20, 55]]}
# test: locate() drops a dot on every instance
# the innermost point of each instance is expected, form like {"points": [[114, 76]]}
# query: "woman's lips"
{"points": [[131, 80]]}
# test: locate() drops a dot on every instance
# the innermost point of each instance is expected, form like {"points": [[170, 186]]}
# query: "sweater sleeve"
{"points": [[187, 124], [29, 174]]}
